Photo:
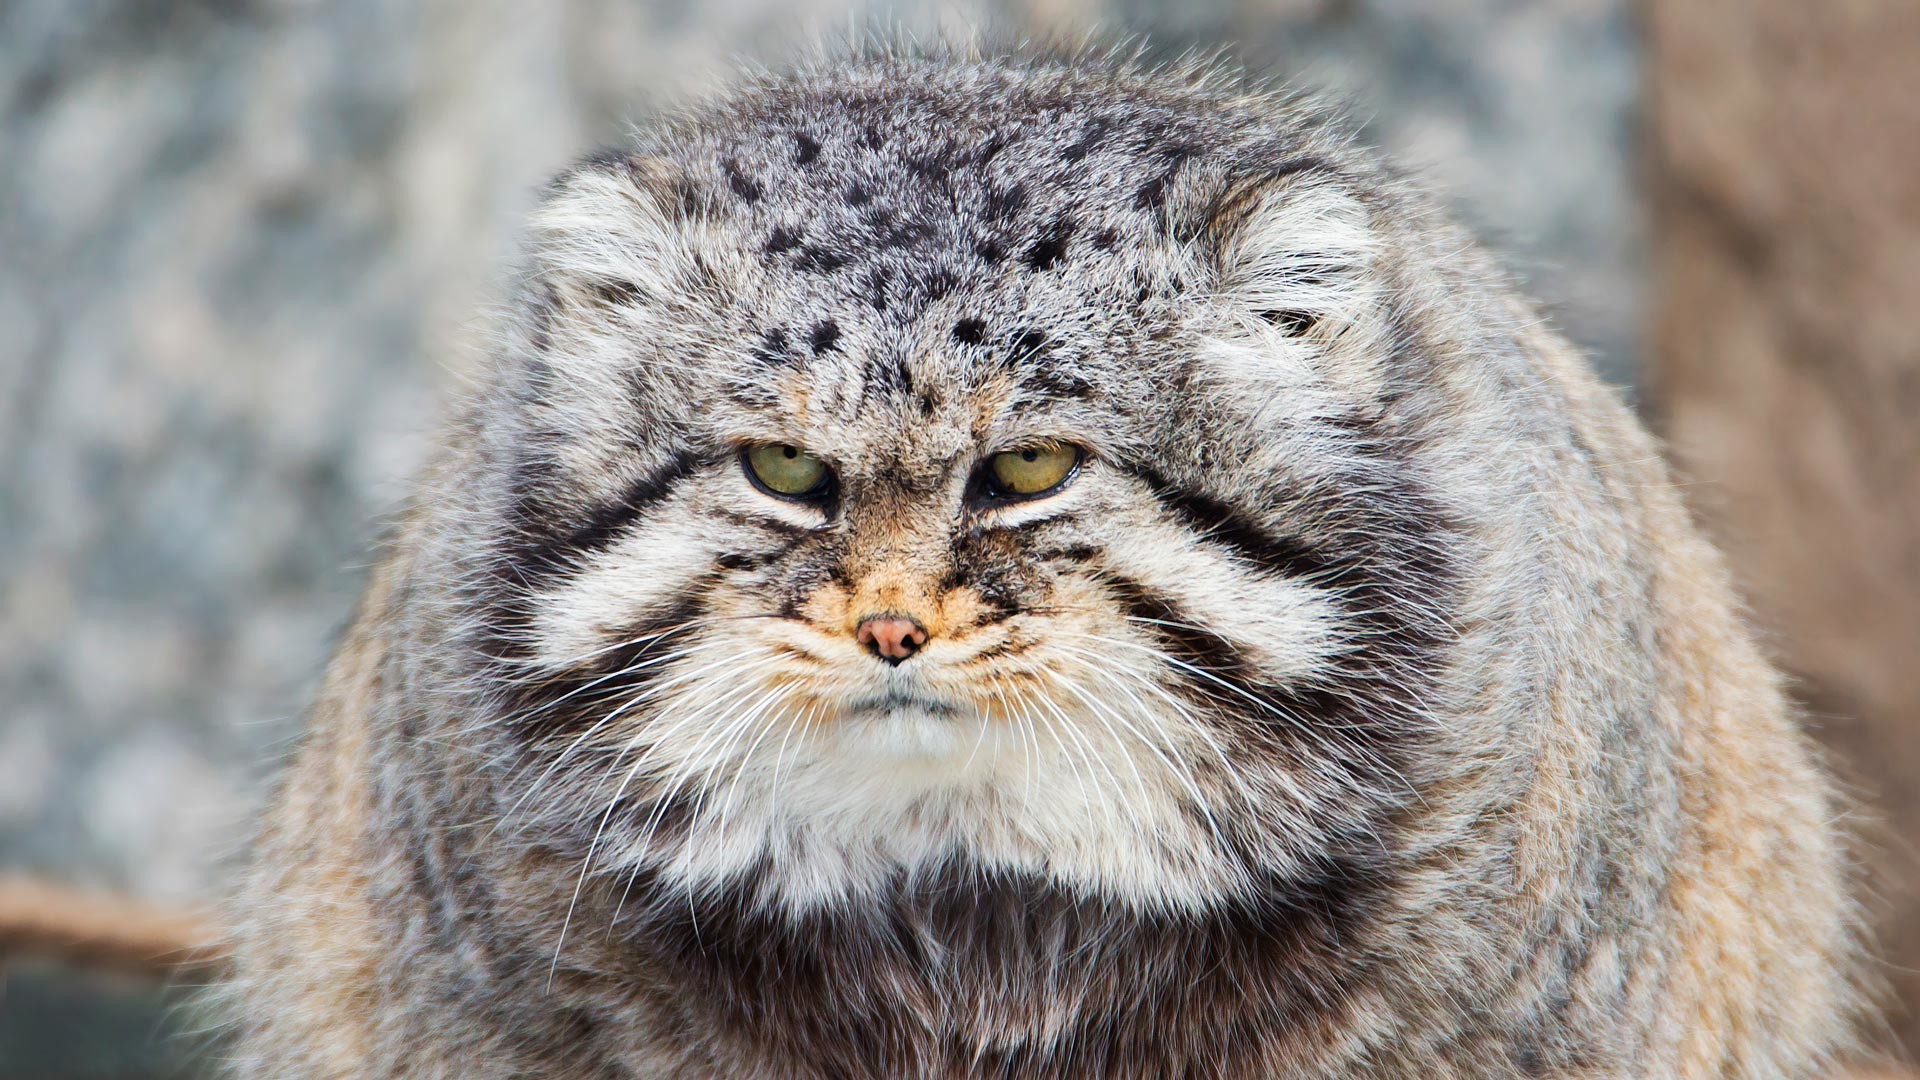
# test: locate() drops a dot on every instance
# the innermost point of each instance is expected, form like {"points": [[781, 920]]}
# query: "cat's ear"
{"points": [[609, 237], [612, 270], [1297, 296], [1294, 249]]}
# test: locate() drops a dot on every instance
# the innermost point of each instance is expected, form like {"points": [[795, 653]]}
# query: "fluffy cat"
{"points": [[1039, 568]]}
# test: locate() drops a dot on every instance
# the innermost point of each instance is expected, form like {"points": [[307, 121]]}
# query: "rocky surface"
{"points": [[245, 246]]}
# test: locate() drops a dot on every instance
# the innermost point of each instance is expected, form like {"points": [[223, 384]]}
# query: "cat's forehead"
{"points": [[902, 251], [897, 199]]}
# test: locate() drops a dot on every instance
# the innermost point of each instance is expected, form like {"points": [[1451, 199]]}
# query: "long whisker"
{"points": [[804, 721], [652, 739], [986, 720], [705, 743], [1294, 722], [574, 745], [1113, 678], [1180, 773], [1067, 728], [749, 721], [1139, 779], [647, 694]]}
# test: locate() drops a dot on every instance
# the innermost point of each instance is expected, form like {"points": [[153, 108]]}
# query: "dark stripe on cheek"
{"points": [[1183, 640], [791, 531], [1362, 709], [756, 560], [543, 544], [546, 544], [565, 703], [1074, 553], [605, 524], [1223, 525]]}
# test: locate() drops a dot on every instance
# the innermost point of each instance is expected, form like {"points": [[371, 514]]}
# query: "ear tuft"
{"points": [[609, 232], [1297, 258], [1295, 252]]}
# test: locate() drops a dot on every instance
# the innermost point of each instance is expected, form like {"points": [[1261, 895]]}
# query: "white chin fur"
{"points": [[833, 813]]}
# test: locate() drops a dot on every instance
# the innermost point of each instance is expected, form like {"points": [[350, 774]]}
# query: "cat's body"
{"points": [[1357, 701]]}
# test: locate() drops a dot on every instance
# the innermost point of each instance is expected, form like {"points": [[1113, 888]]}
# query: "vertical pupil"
{"points": [[1030, 455]]}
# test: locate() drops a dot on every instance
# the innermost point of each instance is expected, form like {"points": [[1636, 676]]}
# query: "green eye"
{"points": [[787, 471], [1034, 471]]}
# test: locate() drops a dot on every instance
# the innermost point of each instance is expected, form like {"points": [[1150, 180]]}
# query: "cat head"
{"points": [[920, 465]]}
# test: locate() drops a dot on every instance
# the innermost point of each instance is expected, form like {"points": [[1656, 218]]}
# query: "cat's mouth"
{"points": [[900, 726], [898, 701]]}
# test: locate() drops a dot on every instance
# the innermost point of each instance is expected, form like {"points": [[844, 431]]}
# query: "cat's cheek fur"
{"points": [[651, 570]]}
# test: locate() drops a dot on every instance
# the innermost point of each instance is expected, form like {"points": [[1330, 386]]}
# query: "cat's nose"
{"points": [[892, 638]]}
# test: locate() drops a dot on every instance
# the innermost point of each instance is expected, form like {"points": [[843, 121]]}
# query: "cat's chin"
{"points": [[911, 732], [899, 785]]}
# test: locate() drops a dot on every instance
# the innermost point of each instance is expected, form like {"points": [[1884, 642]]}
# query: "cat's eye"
{"points": [[786, 471], [1034, 471]]}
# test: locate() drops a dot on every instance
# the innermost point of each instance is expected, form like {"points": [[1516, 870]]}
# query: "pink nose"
{"points": [[892, 638]]}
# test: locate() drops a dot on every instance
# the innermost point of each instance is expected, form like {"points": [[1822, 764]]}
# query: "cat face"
{"points": [[864, 518]]}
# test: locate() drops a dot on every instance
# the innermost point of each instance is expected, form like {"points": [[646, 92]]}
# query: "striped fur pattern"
{"points": [[1363, 704]]}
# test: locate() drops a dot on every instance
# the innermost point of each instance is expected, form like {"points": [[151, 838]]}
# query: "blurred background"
{"points": [[247, 245]]}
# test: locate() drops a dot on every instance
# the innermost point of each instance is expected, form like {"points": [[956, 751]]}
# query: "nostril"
{"points": [[892, 638]]}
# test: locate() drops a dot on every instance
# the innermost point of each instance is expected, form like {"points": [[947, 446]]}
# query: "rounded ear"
{"points": [[1299, 298], [610, 274], [608, 234], [1295, 249]]}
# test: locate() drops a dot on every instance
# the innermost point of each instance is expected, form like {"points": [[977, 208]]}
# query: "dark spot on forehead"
{"points": [[907, 235], [1028, 343], [970, 331], [825, 336], [938, 284], [742, 184], [989, 251], [784, 239], [877, 283], [1094, 132], [819, 260], [772, 348], [806, 148], [1005, 202], [987, 151], [858, 195], [1051, 245], [931, 167], [1153, 194], [888, 373]]}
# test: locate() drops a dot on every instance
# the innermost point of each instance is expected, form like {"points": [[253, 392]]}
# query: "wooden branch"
{"points": [[115, 933]]}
